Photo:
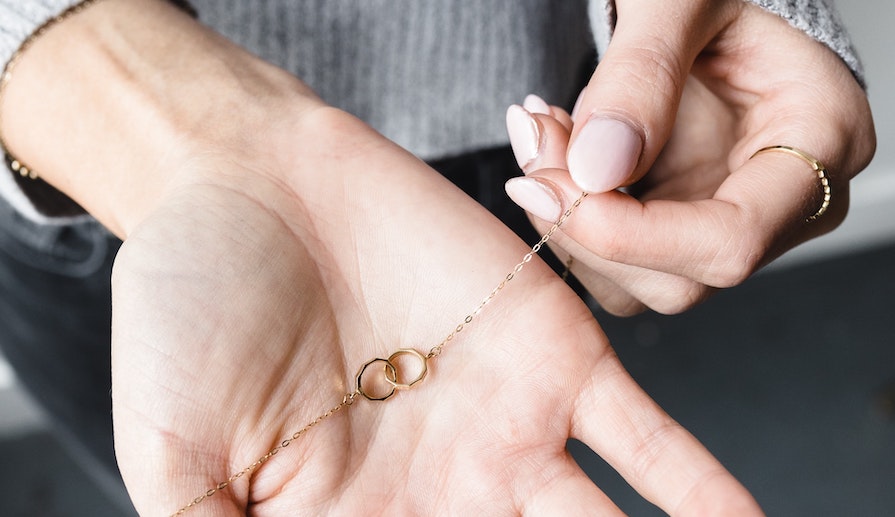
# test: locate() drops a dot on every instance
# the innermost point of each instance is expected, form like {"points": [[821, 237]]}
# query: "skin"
{"points": [[702, 91], [484, 433], [272, 246]]}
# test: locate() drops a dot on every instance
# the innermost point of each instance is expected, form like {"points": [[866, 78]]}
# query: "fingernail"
{"points": [[525, 135], [604, 154], [535, 104], [577, 104], [535, 196]]}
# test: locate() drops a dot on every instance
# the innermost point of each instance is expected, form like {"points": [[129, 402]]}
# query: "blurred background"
{"points": [[789, 379]]}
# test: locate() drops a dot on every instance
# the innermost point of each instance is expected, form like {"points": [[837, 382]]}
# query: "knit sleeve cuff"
{"points": [[819, 19], [19, 19]]}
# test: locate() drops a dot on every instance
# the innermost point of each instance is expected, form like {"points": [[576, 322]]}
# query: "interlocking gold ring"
{"points": [[408, 383], [815, 165], [392, 375]]}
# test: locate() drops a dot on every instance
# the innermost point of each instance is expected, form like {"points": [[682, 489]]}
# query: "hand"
{"points": [[674, 112], [244, 304]]}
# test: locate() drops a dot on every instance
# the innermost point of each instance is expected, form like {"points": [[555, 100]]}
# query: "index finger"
{"points": [[720, 241]]}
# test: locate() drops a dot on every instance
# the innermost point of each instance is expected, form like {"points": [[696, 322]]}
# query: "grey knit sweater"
{"points": [[435, 76]]}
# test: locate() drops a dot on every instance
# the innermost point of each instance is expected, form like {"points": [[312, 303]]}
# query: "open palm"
{"points": [[244, 305]]}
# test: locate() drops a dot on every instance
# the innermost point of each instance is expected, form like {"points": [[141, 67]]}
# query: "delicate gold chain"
{"points": [[436, 350], [347, 400], [390, 370], [11, 161]]}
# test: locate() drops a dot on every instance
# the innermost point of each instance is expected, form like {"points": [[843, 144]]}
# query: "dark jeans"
{"points": [[55, 309], [55, 314]]}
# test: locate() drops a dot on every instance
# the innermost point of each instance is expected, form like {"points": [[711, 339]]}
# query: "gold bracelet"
{"points": [[11, 161], [391, 377]]}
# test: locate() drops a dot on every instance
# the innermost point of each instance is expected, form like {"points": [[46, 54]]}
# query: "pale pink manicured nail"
{"points": [[604, 154], [536, 196], [535, 104], [525, 135]]}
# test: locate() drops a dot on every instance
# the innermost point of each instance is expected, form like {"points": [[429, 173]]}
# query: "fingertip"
{"points": [[538, 106], [535, 104], [538, 141], [537, 196], [561, 116], [604, 154], [525, 133]]}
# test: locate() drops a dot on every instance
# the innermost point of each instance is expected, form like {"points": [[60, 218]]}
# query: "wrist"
{"points": [[117, 105]]}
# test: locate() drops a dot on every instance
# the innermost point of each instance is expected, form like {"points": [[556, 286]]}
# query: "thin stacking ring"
{"points": [[815, 165]]}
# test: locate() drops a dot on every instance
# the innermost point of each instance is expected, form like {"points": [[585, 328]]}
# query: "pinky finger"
{"points": [[535, 104]]}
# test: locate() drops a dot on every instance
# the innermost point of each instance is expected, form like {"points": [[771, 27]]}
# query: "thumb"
{"points": [[625, 114]]}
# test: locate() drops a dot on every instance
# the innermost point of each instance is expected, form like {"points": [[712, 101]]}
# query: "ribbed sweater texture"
{"points": [[435, 76]]}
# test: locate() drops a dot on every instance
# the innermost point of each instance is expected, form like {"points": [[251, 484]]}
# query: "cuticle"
{"points": [[551, 189], [540, 138]]}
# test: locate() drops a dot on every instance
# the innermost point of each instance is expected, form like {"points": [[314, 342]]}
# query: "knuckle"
{"points": [[732, 267], [741, 254], [608, 244], [657, 68], [843, 109], [611, 246], [651, 449], [611, 298], [864, 141], [678, 299], [622, 307]]}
